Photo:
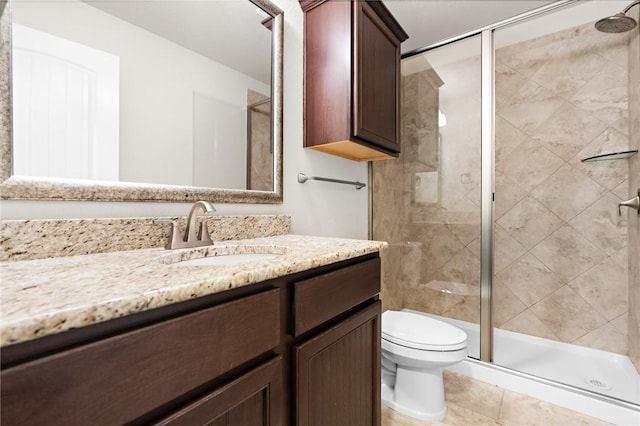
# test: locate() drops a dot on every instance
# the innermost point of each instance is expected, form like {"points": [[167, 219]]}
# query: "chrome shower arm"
{"points": [[633, 3]]}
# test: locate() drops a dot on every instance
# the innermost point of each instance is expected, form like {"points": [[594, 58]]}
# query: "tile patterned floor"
{"points": [[471, 402]]}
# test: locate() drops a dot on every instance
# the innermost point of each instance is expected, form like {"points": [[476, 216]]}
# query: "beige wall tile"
{"points": [[567, 253], [621, 323], [530, 222], [506, 249], [568, 131], [529, 164], [508, 137], [567, 68], [567, 315], [506, 305], [531, 105], [600, 224], [435, 297], [606, 94], [530, 280], [605, 288], [568, 192], [508, 82], [467, 310], [622, 256], [526, 58], [508, 193], [622, 125], [527, 323], [464, 267], [606, 338], [621, 191]]}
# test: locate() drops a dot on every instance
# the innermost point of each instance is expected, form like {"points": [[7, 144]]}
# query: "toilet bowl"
{"points": [[414, 349]]}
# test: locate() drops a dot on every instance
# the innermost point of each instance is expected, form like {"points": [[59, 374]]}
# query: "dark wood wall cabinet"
{"points": [[298, 350], [352, 78]]}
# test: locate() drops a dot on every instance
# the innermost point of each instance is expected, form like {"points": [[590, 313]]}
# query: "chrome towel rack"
{"points": [[302, 178]]}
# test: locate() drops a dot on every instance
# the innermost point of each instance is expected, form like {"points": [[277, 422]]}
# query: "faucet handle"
{"points": [[633, 203], [175, 238], [203, 233]]}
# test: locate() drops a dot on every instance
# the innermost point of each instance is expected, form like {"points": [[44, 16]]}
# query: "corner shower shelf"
{"points": [[611, 156]]}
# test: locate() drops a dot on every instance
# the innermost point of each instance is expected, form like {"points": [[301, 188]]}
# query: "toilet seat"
{"points": [[421, 332]]}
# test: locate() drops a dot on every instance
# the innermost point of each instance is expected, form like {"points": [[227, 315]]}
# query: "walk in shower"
{"points": [[501, 212]]}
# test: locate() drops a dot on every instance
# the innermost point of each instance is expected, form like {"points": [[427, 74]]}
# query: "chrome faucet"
{"points": [[194, 236]]}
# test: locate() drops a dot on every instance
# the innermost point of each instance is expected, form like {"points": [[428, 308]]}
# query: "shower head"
{"points": [[618, 23]]}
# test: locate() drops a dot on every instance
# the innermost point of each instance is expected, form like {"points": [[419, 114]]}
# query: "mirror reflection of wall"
{"points": [[175, 112]]}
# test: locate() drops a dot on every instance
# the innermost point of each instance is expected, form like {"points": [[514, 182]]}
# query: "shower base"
{"points": [[556, 372]]}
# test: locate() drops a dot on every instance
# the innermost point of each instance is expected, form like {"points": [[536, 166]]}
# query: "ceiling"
{"points": [[429, 21], [426, 22]]}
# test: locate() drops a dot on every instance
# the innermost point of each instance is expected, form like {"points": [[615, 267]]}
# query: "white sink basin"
{"points": [[222, 255], [227, 259]]}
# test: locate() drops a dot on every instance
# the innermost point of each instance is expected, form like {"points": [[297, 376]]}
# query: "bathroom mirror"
{"points": [[161, 101]]}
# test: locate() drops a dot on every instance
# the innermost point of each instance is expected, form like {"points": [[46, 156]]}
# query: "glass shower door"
{"points": [[427, 204]]}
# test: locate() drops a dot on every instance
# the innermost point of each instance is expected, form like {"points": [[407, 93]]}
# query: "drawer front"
{"points": [[322, 298], [119, 379]]}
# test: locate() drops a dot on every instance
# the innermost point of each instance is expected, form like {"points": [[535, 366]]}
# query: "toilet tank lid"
{"points": [[420, 331]]}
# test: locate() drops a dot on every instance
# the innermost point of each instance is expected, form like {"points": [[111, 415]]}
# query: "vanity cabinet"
{"points": [[277, 352], [352, 79]]}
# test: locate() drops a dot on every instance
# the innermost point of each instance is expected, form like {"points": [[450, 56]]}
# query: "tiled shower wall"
{"points": [[561, 98], [561, 251]]}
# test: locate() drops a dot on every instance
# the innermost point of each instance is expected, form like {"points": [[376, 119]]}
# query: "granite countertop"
{"points": [[49, 296]]}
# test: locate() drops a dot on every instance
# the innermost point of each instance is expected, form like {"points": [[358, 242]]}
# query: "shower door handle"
{"points": [[633, 203]]}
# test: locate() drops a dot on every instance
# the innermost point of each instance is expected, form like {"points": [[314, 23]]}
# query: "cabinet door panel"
{"points": [[377, 61], [327, 86], [338, 373], [251, 400]]}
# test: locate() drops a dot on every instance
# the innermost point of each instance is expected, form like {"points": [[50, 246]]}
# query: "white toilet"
{"points": [[415, 347]]}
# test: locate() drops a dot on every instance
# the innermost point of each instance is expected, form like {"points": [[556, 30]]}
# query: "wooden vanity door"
{"points": [[338, 373], [250, 400]]}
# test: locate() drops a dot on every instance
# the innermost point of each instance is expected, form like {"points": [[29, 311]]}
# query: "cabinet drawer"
{"points": [[119, 379], [324, 297]]}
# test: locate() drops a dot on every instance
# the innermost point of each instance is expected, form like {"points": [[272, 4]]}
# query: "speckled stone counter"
{"points": [[41, 239], [49, 296]]}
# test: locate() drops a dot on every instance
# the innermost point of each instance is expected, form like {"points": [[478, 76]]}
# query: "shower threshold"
{"points": [[605, 373]]}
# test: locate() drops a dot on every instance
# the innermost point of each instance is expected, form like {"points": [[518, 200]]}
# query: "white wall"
{"points": [[316, 208]]}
